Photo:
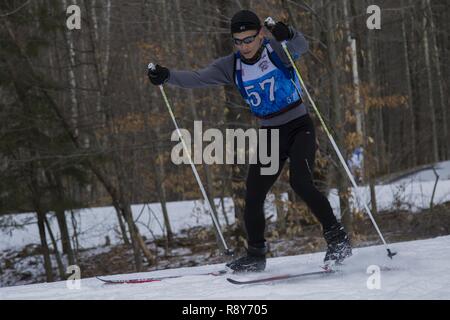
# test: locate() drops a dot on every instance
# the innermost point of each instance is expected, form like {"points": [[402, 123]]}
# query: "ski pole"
{"points": [[269, 23], [227, 250]]}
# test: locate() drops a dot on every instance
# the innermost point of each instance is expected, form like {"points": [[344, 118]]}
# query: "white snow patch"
{"points": [[95, 224], [419, 271]]}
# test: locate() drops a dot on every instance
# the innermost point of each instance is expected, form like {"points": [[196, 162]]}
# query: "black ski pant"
{"points": [[297, 141]]}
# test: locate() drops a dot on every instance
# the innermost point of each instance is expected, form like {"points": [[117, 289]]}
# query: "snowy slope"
{"points": [[401, 195], [94, 224], [419, 271], [424, 173]]}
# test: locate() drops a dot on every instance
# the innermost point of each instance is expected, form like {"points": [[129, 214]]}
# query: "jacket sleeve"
{"points": [[219, 72], [297, 46]]}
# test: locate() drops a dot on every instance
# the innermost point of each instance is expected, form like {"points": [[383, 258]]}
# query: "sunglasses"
{"points": [[246, 40]]}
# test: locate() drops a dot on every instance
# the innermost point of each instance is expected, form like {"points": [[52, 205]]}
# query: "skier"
{"points": [[263, 75]]}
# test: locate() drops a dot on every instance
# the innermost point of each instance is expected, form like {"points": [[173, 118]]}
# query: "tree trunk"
{"points": [[65, 237], [44, 245], [355, 73], [342, 180], [431, 106], [76, 244], [281, 213], [192, 105], [410, 105], [122, 227], [72, 79], [158, 165], [134, 238], [148, 255], [375, 113], [159, 185], [361, 121], [372, 164], [56, 252], [60, 196], [61, 218], [440, 81]]}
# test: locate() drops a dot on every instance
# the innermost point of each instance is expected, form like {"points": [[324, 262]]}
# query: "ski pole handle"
{"points": [[269, 23], [152, 66]]}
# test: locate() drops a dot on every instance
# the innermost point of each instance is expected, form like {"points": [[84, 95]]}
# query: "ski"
{"points": [[154, 279], [281, 277]]}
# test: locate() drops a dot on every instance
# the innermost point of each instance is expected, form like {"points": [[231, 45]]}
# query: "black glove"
{"points": [[281, 32], [159, 75]]}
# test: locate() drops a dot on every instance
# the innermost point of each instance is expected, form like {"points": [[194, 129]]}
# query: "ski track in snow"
{"points": [[420, 271]]}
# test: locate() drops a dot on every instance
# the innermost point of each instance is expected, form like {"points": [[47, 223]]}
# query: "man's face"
{"points": [[248, 50]]}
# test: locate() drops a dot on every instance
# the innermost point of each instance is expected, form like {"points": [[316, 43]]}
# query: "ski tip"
{"points": [[106, 281], [233, 281], [330, 268], [218, 273], [129, 281]]}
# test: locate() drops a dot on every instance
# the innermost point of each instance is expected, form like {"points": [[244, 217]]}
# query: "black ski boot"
{"points": [[339, 246], [254, 261]]}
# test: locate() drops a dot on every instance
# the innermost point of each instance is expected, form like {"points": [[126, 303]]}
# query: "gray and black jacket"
{"points": [[222, 71]]}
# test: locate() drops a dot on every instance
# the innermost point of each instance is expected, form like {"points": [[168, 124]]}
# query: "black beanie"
{"points": [[245, 20]]}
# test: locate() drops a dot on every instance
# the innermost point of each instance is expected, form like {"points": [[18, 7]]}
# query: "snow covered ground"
{"points": [[94, 224], [407, 195], [426, 173], [419, 271], [410, 191]]}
